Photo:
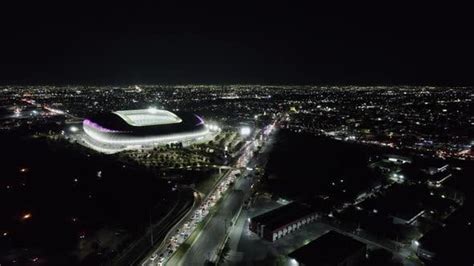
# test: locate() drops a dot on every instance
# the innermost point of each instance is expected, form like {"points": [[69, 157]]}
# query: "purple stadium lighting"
{"points": [[98, 127], [201, 121]]}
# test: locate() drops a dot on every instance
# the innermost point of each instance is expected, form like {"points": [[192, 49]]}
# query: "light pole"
{"points": [[151, 230]]}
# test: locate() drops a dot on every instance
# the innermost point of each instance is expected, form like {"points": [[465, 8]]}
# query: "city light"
{"points": [[17, 112], [224, 158], [293, 262]]}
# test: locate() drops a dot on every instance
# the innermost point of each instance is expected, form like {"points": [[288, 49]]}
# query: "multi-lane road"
{"points": [[211, 237], [213, 234]]}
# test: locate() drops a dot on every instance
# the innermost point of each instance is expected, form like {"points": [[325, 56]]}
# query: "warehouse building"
{"points": [[331, 249], [280, 222]]}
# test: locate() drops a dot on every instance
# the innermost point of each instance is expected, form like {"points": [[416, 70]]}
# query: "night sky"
{"points": [[231, 43]]}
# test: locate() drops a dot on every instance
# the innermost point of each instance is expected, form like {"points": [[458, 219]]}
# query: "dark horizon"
{"points": [[219, 44]]}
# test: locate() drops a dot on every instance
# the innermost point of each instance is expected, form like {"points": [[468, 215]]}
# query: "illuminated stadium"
{"points": [[147, 128]]}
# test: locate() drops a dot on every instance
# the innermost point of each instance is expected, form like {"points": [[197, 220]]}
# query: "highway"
{"points": [[214, 232], [170, 228], [186, 225], [212, 236], [137, 249]]}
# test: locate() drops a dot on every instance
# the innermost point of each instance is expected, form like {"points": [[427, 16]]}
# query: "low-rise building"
{"points": [[330, 249], [279, 222]]}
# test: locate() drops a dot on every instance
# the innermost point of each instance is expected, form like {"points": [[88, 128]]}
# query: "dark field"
{"points": [[302, 166], [61, 205]]}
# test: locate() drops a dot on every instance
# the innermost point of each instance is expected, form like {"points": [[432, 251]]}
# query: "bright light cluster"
{"points": [[147, 140], [213, 127], [110, 141], [148, 117], [245, 131]]}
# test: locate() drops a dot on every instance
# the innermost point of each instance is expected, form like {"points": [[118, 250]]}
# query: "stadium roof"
{"points": [[148, 117], [145, 122]]}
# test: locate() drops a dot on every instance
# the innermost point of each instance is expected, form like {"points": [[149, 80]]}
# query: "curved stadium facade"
{"points": [[129, 129]]}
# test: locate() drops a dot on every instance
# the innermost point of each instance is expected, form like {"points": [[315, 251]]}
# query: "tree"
{"points": [[225, 252]]}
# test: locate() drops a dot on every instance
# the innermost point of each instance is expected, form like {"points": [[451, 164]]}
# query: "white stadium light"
{"points": [[73, 129], [213, 127], [152, 110], [245, 131]]}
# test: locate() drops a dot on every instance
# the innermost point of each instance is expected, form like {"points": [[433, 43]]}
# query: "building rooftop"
{"points": [[394, 204], [284, 215], [330, 249], [145, 122], [148, 117]]}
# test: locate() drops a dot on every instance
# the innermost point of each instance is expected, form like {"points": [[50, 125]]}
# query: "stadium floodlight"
{"points": [[152, 110], [213, 127], [245, 131]]}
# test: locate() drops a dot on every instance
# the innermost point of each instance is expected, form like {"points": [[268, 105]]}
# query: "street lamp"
{"points": [[294, 262], [26, 216]]}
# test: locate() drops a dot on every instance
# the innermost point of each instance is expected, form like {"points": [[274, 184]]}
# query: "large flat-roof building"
{"points": [[449, 243], [331, 249], [130, 129], [279, 222]]}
